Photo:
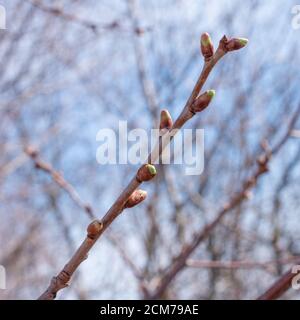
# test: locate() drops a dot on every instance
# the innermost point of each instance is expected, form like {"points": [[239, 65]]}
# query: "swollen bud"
{"points": [[207, 47], [202, 101], [94, 228], [236, 44], [165, 120], [146, 173], [136, 197]]}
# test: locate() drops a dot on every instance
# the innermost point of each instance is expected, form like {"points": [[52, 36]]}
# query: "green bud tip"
{"points": [[243, 41], [151, 169], [211, 93], [165, 115], [205, 39]]}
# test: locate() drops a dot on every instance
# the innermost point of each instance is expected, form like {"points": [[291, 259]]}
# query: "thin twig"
{"points": [[93, 26], [238, 264], [59, 179]]}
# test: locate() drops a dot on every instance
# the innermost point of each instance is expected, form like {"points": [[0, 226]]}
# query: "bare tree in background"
{"points": [[70, 68]]}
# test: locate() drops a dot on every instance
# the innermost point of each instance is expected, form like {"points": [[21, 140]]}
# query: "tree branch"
{"points": [[145, 173]]}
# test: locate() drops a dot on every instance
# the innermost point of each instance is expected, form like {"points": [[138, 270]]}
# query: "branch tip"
{"points": [[151, 169], [211, 93], [236, 44], [146, 173], [243, 41]]}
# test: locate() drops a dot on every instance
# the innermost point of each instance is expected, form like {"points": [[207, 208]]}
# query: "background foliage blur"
{"points": [[65, 76]]}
